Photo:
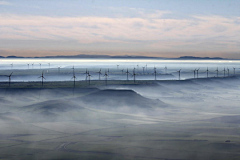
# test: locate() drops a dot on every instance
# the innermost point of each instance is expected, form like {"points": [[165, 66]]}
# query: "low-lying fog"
{"points": [[62, 70], [187, 119]]}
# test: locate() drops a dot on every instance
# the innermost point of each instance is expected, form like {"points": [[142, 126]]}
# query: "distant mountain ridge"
{"points": [[192, 57], [117, 57]]}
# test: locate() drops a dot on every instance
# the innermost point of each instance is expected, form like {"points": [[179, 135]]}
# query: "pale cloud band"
{"points": [[151, 31], [5, 3]]}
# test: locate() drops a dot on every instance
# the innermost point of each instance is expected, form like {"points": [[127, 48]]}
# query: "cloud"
{"points": [[137, 12], [6, 3], [150, 31]]}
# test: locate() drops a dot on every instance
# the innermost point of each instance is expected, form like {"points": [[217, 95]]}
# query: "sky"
{"points": [[161, 28]]}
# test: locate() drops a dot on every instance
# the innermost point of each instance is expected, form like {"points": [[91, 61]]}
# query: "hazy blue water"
{"points": [[21, 71]]}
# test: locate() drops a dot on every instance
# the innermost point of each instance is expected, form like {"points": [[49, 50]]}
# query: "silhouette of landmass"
{"points": [[111, 99], [116, 57], [192, 57]]}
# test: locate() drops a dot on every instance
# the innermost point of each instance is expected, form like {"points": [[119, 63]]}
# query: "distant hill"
{"points": [[125, 100], [116, 57], [191, 57]]}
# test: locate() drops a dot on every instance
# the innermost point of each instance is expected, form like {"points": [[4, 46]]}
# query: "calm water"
{"points": [[61, 69]]}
